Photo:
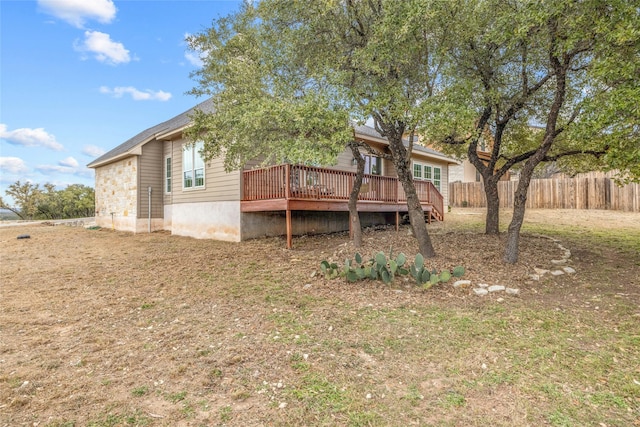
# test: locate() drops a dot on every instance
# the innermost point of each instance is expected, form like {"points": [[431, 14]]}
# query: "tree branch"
{"points": [[595, 153]]}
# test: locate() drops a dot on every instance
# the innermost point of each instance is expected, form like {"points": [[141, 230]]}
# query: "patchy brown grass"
{"points": [[105, 328]]}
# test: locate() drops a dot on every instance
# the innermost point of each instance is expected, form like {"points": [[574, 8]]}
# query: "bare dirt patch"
{"points": [[108, 328]]}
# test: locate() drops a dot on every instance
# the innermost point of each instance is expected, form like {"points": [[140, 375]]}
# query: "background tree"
{"points": [[288, 78], [5, 205], [26, 198], [520, 64], [33, 202]]}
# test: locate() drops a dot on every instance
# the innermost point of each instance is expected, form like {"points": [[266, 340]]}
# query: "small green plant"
{"points": [[384, 268], [225, 414], [140, 391], [177, 397], [330, 271], [426, 278]]}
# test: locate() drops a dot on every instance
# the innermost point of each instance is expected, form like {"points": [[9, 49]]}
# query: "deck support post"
{"points": [[287, 195], [397, 220], [289, 229]]}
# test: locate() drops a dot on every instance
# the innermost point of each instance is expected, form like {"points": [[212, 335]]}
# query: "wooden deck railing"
{"points": [[309, 182]]}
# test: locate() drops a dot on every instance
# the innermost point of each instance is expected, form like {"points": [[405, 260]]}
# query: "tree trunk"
{"points": [[511, 250], [520, 200], [354, 217], [492, 222], [416, 214]]}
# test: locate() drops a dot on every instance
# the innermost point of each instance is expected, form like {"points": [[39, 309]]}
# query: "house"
{"points": [[157, 181]]}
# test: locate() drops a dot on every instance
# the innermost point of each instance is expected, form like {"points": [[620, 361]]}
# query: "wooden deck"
{"points": [[307, 188]]}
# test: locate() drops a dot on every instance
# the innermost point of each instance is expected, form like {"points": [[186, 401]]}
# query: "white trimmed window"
{"points": [[437, 177], [167, 174], [192, 166], [424, 172]]}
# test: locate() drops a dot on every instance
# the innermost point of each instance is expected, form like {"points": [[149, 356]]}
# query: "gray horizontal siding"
{"points": [[150, 175], [219, 185]]}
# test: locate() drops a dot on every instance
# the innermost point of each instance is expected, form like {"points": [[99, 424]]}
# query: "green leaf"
{"points": [[324, 266], [358, 258], [419, 262], [458, 271], [393, 266], [415, 273], [401, 259], [425, 276], [381, 259], [386, 275]]}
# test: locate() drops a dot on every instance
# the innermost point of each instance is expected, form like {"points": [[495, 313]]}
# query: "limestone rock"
{"points": [[480, 291], [496, 288], [459, 283]]}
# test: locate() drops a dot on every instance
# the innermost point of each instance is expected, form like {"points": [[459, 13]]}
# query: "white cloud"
{"points": [[69, 162], [103, 48], [52, 169], [92, 151], [30, 138], [55, 168], [77, 12], [194, 59], [136, 95], [12, 165]]}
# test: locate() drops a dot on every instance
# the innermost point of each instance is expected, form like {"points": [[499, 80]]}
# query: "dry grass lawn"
{"points": [[104, 328]]}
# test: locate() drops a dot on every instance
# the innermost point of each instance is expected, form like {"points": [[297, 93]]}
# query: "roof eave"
{"points": [[167, 136], [135, 151]]}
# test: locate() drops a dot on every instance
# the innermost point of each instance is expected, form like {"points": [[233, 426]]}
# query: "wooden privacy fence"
{"points": [[570, 193]]}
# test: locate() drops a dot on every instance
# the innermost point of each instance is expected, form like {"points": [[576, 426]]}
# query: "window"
{"points": [[436, 177], [167, 174], [427, 173], [422, 172], [192, 166], [417, 171], [372, 165]]}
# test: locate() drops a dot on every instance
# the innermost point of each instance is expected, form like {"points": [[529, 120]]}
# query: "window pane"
{"points": [[427, 172], [199, 177], [436, 173], [167, 175], [198, 161], [188, 179], [376, 167], [417, 171], [187, 158]]}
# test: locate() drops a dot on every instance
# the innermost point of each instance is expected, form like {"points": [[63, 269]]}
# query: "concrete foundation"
{"points": [[207, 220], [268, 224]]}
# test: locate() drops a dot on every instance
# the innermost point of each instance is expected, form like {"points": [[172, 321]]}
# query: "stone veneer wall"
{"points": [[116, 191]]}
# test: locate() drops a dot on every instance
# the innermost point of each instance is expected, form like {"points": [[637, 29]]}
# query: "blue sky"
{"points": [[79, 77]]}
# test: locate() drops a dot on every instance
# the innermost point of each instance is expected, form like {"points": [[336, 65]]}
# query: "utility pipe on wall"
{"points": [[149, 190]]}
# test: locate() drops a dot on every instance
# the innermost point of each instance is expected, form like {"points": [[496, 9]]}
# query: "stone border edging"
{"points": [[558, 268]]}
